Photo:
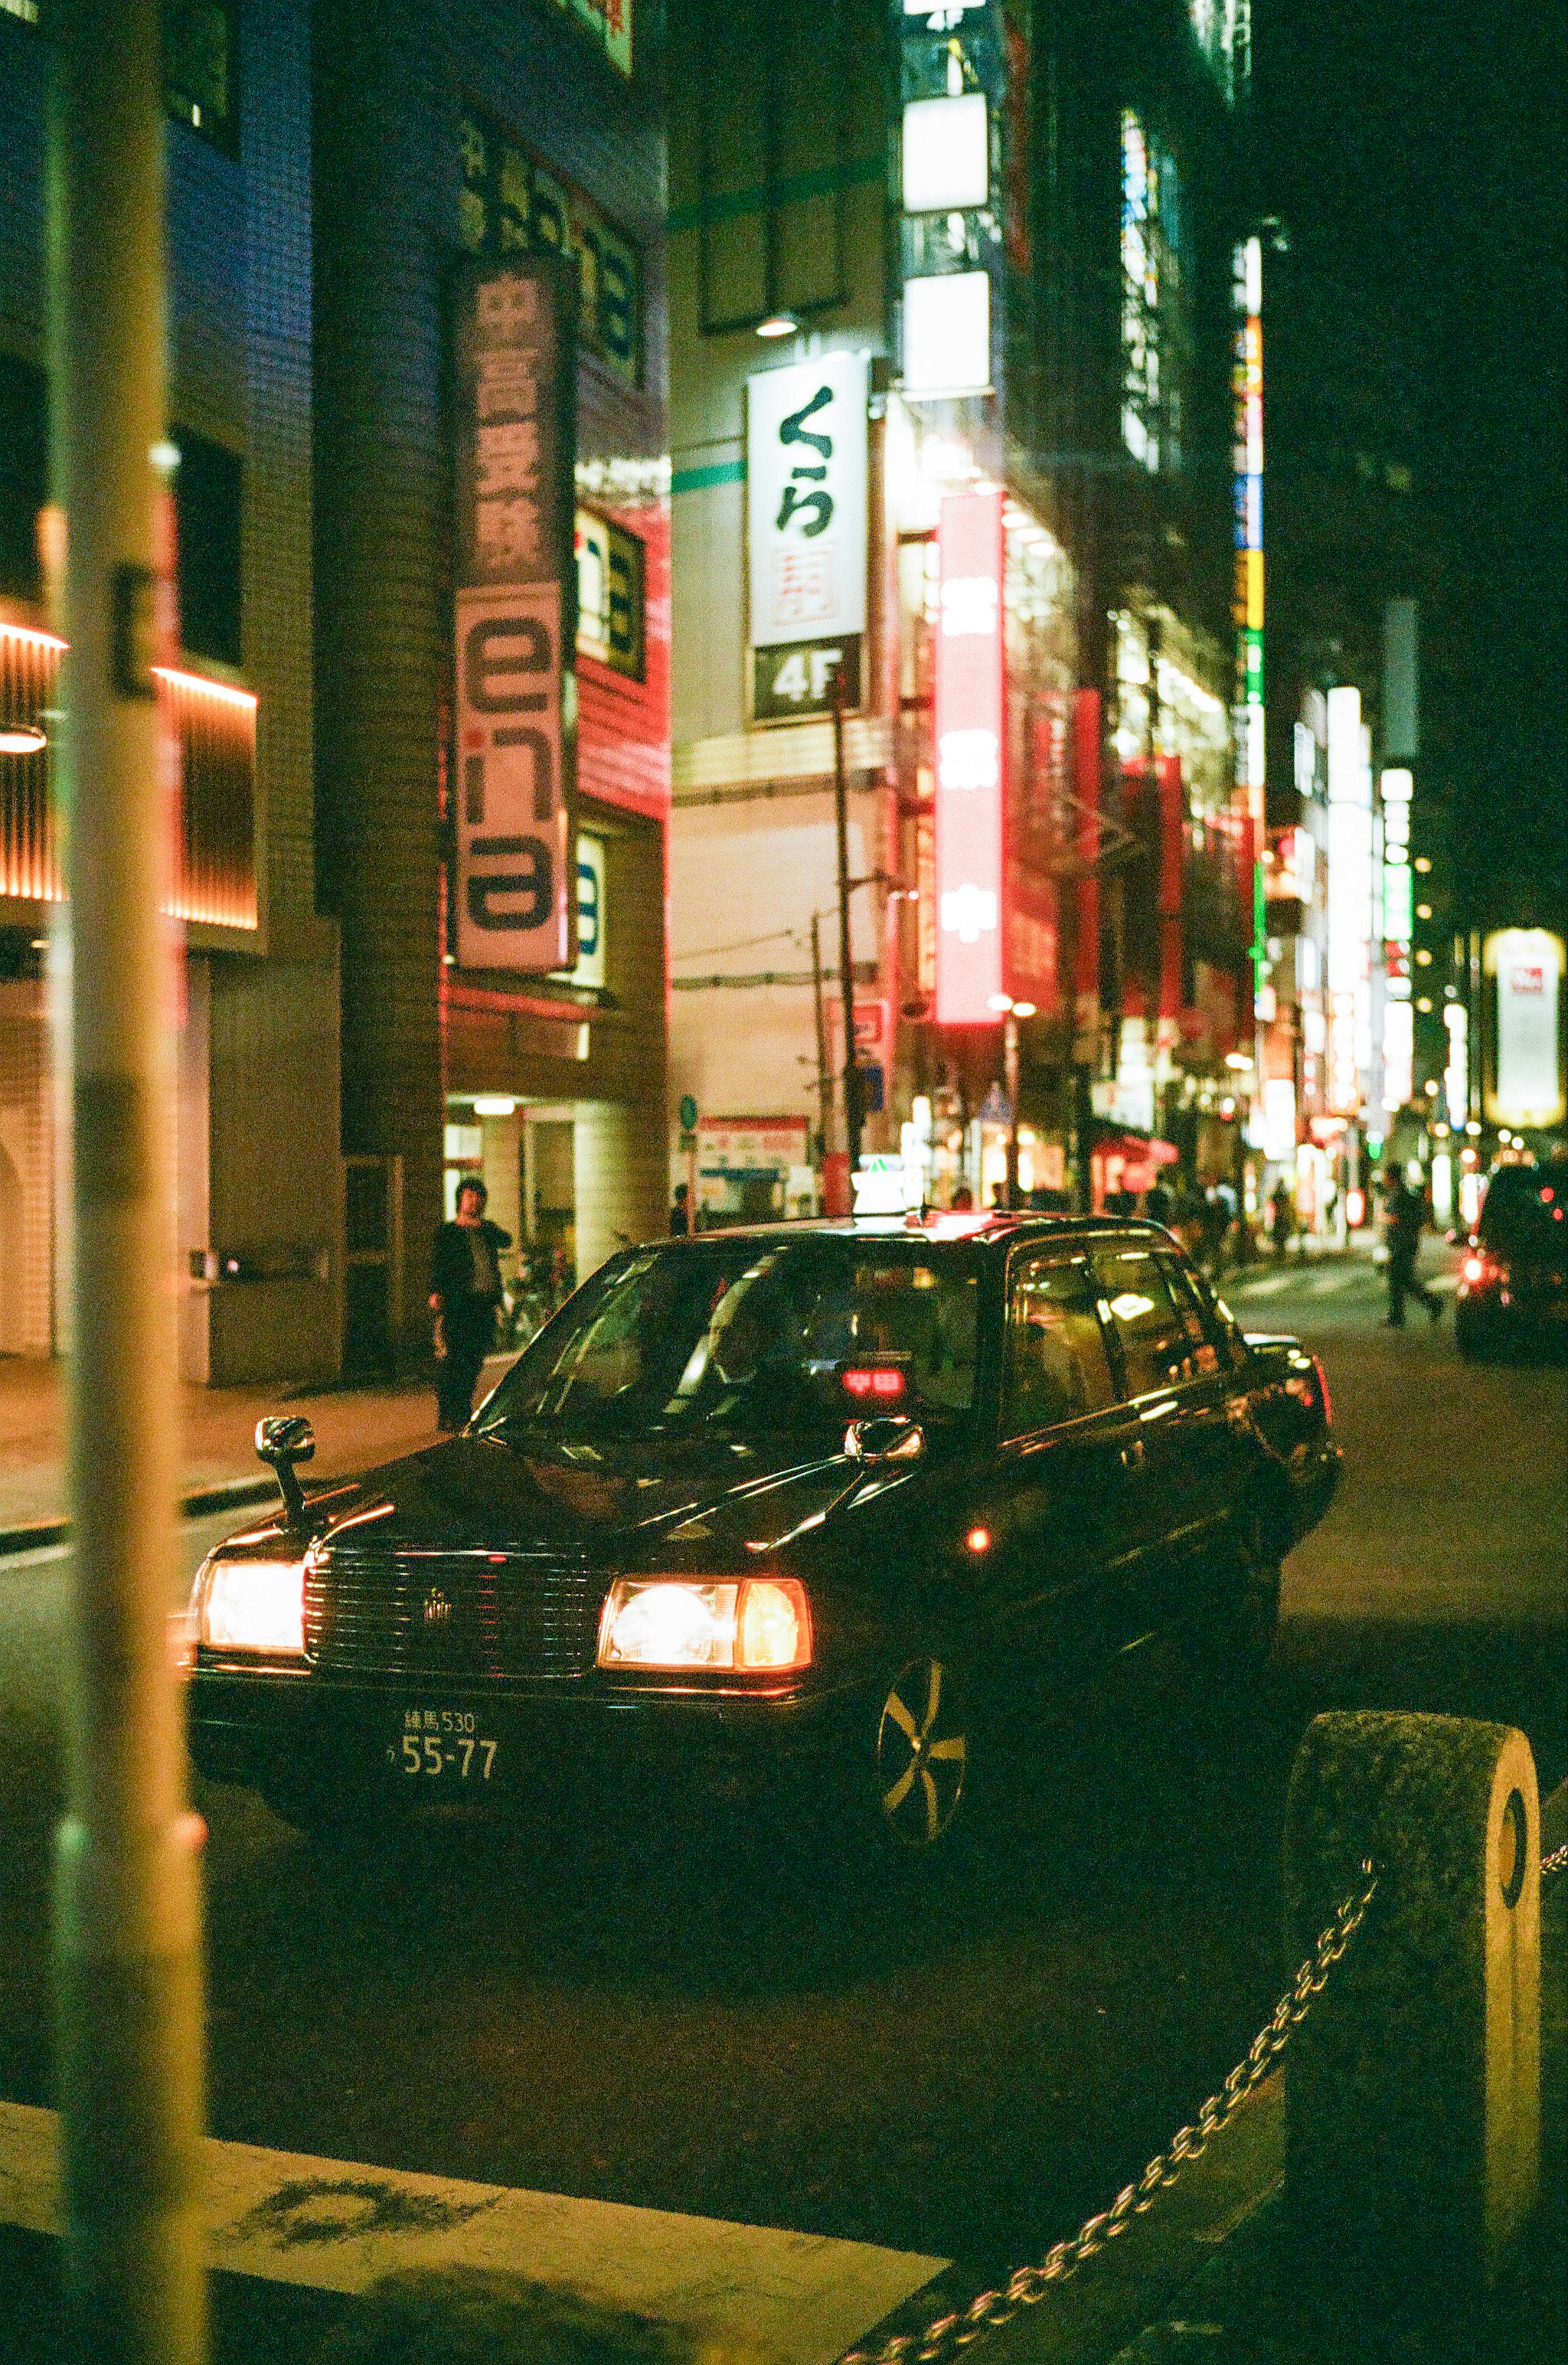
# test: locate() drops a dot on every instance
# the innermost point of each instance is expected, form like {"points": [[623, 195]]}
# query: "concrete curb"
{"points": [[229, 1493]]}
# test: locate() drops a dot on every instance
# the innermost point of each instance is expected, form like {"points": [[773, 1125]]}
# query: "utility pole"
{"points": [[824, 1075], [846, 963], [127, 1924], [1010, 1085]]}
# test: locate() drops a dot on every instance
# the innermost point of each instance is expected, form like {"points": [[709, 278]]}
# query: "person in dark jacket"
{"points": [[465, 1291], [1405, 1217]]}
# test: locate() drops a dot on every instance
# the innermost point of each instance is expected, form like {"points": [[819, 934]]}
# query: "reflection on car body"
{"points": [[800, 1497]]}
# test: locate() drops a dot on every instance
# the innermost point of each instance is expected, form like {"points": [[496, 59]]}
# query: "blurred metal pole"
{"points": [[1010, 1085], [127, 1942], [851, 1103], [824, 1074]]}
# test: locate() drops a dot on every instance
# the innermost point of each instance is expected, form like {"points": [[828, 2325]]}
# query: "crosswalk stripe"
{"points": [[793, 2299]]}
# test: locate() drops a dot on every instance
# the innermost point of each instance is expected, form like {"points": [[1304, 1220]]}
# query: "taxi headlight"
{"points": [[252, 1605], [750, 1622]]}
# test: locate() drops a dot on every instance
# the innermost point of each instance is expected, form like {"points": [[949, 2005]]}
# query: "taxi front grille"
{"points": [[463, 1613]]}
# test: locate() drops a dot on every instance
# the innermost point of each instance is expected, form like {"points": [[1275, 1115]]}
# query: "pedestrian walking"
{"points": [[1404, 1220], [1282, 1218], [680, 1213], [1216, 1221], [465, 1292]]}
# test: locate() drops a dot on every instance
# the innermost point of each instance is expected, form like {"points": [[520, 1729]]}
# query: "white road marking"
{"points": [[792, 2299]]}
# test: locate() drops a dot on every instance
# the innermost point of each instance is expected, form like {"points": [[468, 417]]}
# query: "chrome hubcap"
{"points": [[922, 1755]]}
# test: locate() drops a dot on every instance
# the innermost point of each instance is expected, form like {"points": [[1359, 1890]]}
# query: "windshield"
{"points": [[753, 1338]]}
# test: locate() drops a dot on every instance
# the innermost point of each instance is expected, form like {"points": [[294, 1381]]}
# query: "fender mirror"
{"points": [[887, 1438], [281, 1441]]}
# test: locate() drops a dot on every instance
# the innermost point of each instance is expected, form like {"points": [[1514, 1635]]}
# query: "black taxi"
{"points": [[802, 1496]]}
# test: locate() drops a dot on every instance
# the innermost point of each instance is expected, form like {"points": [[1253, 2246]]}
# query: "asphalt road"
{"points": [[639, 2006]]}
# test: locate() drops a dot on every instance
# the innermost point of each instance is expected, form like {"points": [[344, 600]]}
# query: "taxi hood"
{"points": [[485, 1492]]}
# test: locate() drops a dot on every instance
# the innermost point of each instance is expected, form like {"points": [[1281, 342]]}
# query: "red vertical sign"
{"points": [[1086, 794], [971, 740], [1172, 829]]}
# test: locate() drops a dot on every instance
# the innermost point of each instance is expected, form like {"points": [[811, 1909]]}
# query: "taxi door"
{"points": [[1168, 1506], [1065, 1451]]}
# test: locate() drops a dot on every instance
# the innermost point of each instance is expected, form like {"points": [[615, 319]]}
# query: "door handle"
{"points": [[1132, 1455]]}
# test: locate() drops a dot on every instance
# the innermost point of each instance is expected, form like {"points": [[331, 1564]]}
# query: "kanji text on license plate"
{"points": [[442, 1745]]}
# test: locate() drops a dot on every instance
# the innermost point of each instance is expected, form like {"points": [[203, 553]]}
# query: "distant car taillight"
{"points": [[1474, 1268], [1323, 1392]]}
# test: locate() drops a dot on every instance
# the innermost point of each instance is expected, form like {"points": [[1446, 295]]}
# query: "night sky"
{"points": [[1417, 155]]}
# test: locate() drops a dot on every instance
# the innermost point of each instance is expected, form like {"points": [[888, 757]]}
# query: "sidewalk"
{"points": [[331, 2262], [355, 1427]]}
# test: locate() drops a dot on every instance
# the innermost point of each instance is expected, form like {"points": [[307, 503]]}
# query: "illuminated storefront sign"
{"points": [[514, 606], [610, 595], [608, 24], [806, 507], [947, 335], [967, 191], [969, 737], [947, 153], [1156, 304], [1396, 927], [1527, 1087], [1350, 902], [1251, 713], [590, 970], [509, 203], [1456, 1074]]}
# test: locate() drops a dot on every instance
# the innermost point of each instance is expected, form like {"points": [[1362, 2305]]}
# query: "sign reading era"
{"points": [[515, 615]]}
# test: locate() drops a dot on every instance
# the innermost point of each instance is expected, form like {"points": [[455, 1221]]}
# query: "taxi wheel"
{"points": [[1234, 1632], [922, 1764]]}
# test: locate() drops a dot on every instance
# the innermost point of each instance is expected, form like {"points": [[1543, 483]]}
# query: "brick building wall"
{"points": [[391, 86], [258, 1109]]}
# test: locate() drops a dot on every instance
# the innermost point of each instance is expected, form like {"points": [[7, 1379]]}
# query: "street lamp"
{"points": [[1011, 1012]]}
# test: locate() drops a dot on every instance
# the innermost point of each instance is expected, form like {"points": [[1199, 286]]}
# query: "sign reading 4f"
{"points": [[806, 487]]}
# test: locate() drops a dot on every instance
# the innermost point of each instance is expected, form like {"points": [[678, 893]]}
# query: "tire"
{"points": [[1234, 1632], [920, 1766]]}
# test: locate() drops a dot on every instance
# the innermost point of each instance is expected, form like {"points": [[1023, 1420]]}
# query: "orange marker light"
{"points": [[1474, 1268], [979, 1539]]}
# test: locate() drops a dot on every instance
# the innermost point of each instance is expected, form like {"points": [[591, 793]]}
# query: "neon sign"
{"points": [[970, 739]]}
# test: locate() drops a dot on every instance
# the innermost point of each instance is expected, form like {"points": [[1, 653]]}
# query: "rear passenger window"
{"points": [[1210, 1348], [1151, 1328], [1056, 1368]]}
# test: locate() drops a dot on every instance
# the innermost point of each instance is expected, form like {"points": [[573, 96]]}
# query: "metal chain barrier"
{"points": [[1027, 2286], [1556, 1862]]}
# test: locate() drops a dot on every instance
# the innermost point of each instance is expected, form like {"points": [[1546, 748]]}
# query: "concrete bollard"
{"points": [[1413, 2088]]}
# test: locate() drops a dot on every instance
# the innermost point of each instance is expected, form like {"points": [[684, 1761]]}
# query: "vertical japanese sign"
{"points": [[514, 604], [806, 503], [1248, 718], [970, 736], [1526, 1083]]}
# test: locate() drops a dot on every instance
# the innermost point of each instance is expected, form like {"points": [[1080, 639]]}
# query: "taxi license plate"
{"points": [[442, 1745]]}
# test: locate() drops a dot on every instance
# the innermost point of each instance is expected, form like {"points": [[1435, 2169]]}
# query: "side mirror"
{"points": [[281, 1441], [887, 1437]]}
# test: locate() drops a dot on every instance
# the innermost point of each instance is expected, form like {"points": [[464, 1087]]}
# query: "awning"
{"points": [[1137, 1148]]}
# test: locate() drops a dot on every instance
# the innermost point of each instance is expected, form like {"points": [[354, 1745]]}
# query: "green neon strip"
{"points": [[696, 480], [768, 193]]}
